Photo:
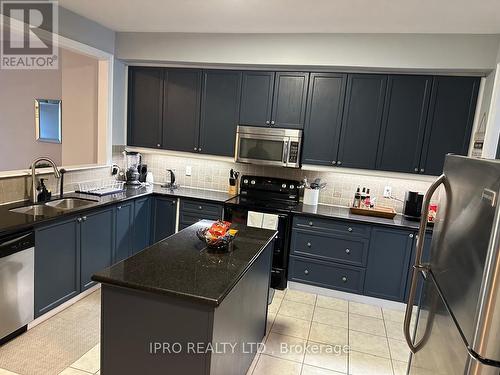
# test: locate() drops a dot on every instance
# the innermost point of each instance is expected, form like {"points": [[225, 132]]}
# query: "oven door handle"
{"points": [[286, 145]]}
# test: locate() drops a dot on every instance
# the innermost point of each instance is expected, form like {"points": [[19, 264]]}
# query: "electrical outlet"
{"points": [[188, 170], [387, 191]]}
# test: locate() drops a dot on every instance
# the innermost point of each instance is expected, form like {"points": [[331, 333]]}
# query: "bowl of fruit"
{"points": [[218, 236]]}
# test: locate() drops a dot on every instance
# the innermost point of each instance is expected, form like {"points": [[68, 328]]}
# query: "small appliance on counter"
{"points": [[143, 172], [170, 184], [412, 206], [133, 161]]}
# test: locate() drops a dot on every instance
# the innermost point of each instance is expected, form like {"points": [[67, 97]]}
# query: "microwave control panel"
{"points": [[294, 152]]}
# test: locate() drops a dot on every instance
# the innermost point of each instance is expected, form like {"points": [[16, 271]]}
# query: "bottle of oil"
{"points": [[357, 199]]}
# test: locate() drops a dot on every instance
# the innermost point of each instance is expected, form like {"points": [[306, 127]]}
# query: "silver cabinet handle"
{"points": [[200, 208], [173, 203], [347, 251], [308, 244], [199, 149], [306, 272], [410, 235], [418, 261], [344, 279], [416, 169], [311, 224], [196, 148], [84, 218], [339, 162], [79, 220], [272, 122], [158, 145], [267, 122], [334, 162], [422, 170], [349, 229]]}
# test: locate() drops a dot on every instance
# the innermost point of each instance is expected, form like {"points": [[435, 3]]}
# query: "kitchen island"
{"points": [[177, 308]]}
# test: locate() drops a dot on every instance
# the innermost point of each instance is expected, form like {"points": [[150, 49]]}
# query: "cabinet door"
{"points": [[256, 98], [165, 210], [362, 119], [323, 118], [97, 243], [123, 231], [449, 123], [141, 224], [425, 257], [388, 261], [403, 123], [145, 100], [181, 109], [57, 265], [289, 102], [220, 105]]}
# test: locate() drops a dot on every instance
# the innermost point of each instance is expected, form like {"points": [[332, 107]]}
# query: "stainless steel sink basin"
{"points": [[69, 203], [35, 210]]}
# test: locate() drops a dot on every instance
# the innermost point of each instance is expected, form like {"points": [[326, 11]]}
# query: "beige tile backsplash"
{"points": [[214, 174]]}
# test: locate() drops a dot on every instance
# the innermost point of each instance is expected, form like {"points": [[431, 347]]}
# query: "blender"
{"points": [[132, 160]]}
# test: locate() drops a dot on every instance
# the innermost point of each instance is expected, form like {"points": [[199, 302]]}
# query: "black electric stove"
{"points": [[272, 196]]}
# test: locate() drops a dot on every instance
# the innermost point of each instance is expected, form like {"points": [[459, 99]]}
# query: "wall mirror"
{"points": [[48, 120]]}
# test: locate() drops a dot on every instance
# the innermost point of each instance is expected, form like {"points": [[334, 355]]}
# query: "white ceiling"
{"points": [[294, 16]]}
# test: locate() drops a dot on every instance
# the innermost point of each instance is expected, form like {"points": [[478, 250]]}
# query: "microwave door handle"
{"points": [[285, 152], [418, 262]]}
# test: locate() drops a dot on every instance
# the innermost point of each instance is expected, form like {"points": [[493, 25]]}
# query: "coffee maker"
{"points": [[132, 175], [412, 209]]}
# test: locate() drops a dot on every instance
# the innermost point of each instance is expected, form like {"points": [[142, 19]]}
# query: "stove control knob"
{"points": [[245, 181], [283, 186], [252, 182], [292, 186]]}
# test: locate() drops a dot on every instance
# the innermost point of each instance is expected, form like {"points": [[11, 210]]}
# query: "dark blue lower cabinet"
{"points": [[327, 274], [141, 224], [97, 244], [388, 263], [165, 210], [57, 264], [124, 214]]}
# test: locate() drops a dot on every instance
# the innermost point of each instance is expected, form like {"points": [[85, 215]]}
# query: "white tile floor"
{"points": [[372, 336]]}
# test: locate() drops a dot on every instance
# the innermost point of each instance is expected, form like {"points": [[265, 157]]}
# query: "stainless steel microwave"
{"points": [[268, 146]]}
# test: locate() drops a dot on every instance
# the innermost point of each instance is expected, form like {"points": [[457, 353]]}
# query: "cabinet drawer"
{"points": [[332, 225], [326, 246], [187, 218], [329, 275], [202, 207]]}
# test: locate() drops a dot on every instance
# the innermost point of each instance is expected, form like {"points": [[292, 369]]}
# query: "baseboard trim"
{"points": [[62, 307], [348, 296]]}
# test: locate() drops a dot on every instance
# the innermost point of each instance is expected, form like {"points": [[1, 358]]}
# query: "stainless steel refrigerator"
{"points": [[457, 328]]}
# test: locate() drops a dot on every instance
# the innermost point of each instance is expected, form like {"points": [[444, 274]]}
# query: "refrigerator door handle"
{"points": [[418, 262]]}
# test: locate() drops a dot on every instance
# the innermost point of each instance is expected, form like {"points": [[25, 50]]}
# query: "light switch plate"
{"points": [[188, 170], [387, 191]]}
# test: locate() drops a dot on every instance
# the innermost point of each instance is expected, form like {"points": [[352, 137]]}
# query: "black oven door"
{"points": [[239, 215]]}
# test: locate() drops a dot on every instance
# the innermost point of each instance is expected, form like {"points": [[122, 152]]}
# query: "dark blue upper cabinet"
{"points": [[165, 210], [145, 101], [220, 105], [449, 122], [289, 102], [361, 122], [403, 123], [181, 109], [256, 98], [124, 215], [57, 264], [142, 224], [97, 243], [388, 263], [323, 118]]}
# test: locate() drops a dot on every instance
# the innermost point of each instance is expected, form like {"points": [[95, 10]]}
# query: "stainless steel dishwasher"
{"points": [[17, 276]]}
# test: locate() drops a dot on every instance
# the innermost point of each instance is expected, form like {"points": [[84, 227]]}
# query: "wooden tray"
{"points": [[379, 211]]}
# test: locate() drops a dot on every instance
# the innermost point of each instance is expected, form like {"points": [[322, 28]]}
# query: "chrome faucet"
{"points": [[34, 195]]}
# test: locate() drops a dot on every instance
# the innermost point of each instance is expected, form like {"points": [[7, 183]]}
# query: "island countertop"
{"points": [[182, 266]]}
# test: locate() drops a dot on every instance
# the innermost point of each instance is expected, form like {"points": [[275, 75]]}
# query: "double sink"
{"points": [[53, 207]]}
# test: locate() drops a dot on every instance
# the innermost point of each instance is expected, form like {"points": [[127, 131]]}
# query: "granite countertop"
{"points": [[181, 265], [343, 213], [14, 221]]}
